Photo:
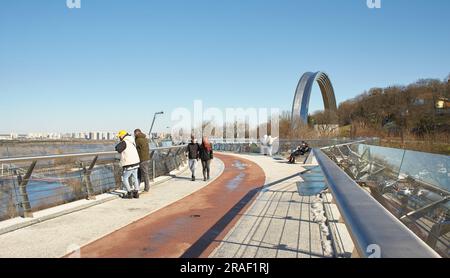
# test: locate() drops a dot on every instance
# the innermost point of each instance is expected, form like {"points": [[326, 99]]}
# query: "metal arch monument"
{"points": [[303, 93]]}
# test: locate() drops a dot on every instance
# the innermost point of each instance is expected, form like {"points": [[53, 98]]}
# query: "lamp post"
{"points": [[153, 122]]}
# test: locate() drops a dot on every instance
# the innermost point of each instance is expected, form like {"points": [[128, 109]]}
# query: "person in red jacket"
{"points": [[206, 154]]}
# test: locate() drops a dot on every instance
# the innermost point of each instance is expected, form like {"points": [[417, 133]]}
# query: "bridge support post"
{"points": [[87, 179], [25, 201]]}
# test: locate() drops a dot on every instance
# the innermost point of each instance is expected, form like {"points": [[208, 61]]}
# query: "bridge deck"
{"points": [[56, 237], [229, 217]]}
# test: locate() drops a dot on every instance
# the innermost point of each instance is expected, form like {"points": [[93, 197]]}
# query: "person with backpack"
{"points": [[206, 154], [129, 160], [193, 149]]}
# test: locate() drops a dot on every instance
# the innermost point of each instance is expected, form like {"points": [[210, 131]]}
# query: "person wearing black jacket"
{"points": [[301, 150], [143, 149], [192, 150], [206, 154]]}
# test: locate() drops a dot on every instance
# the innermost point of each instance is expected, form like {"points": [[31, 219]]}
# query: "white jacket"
{"points": [[264, 140], [129, 156], [271, 140]]}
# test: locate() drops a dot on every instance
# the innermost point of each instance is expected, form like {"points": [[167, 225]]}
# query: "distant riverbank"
{"points": [[16, 148]]}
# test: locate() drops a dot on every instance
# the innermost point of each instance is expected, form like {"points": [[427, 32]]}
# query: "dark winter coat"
{"points": [[142, 147], [193, 150], [205, 155]]}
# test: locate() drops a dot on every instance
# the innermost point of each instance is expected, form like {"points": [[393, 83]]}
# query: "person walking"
{"points": [[270, 141], [129, 160], [264, 145], [206, 154], [144, 156], [192, 150]]}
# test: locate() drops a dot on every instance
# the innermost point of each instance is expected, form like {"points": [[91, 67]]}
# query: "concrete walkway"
{"points": [[59, 236], [279, 223], [189, 227]]}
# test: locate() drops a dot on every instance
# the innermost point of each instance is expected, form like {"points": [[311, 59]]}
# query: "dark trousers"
{"points": [[144, 173], [206, 168], [294, 155], [292, 159]]}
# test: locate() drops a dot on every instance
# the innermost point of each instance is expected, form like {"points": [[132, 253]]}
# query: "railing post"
{"points": [[437, 230], [153, 170], [87, 179], [166, 160], [23, 191], [117, 175], [177, 158]]}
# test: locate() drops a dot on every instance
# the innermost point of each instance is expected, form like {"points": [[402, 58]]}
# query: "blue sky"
{"points": [[111, 64]]}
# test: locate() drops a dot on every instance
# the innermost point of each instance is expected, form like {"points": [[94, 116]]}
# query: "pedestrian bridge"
{"points": [[254, 206]]}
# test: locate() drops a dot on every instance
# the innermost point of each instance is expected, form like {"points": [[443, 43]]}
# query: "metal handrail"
{"points": [[23, 202], [369, 223], [74, 155], [344, 144]]}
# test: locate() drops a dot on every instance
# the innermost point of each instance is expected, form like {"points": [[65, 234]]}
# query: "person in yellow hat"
{"points": [[129, 160]]}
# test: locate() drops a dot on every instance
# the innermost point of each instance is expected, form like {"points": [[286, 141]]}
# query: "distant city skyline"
{"points": [[111, 66], [90, 135]]}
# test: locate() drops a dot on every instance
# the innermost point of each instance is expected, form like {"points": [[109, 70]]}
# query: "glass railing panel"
{"points": [[432, 169], [414, 186]]}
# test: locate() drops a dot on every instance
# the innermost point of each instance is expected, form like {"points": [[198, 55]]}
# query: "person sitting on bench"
{"points": [[305, 148], [301, 150]]}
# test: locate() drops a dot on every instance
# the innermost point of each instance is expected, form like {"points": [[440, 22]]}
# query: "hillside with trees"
{"points": [[415, 116]]}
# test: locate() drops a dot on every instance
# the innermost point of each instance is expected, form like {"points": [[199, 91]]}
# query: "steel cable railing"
{"points": [[29, 184]]}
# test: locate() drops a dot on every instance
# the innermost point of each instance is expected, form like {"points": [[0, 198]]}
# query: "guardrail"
{"points": [[413, 186], [375, 231], [281, 146], [28, 184], [372, 227]]}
